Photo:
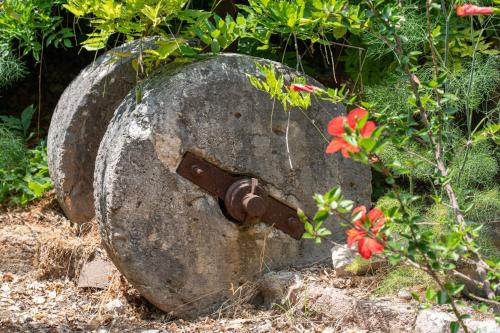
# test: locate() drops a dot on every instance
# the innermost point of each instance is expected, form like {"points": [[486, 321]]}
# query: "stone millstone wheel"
{"points": [[169, 237], [79, 122]]}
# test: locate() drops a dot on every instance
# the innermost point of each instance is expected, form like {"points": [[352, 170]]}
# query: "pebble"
{"points": [[114, 305], [405, 294], [38, 300]]}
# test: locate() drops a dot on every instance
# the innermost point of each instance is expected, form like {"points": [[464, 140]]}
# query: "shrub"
{"points": [[13, 148], [11, 68], [403, 277], [477, 167], [24, 174], [26, 181]]}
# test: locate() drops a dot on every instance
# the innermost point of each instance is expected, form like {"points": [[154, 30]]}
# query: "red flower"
{"points": [[340, 144], [336, 127], [468, 10], [372, 221], [302, 87]]}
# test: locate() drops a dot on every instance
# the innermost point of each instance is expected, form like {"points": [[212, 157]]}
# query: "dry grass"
{"points": [[63, 248]]}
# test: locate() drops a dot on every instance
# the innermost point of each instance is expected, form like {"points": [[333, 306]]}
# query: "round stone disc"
{"points": [[168, 236], [79, 122]]}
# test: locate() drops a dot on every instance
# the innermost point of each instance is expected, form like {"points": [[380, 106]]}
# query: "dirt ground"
{"points": [[46, 298], [40, 293]]}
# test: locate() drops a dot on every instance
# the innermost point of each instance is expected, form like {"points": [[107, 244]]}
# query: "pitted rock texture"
{"points": [[79, 122], [18, 248], [168, 236]]}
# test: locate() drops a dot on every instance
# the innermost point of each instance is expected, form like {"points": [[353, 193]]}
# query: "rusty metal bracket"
{"points": [[245, 200]]}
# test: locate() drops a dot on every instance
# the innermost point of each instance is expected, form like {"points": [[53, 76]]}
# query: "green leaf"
{"points": [[215, 33], [430, 294], [240, 20], [454, 289], [215, 46], [323, 232], [74, 10], [36, 188], [339, 32], [320, 215], [345, 206], [442, 297], [67, 43], [356, 216], [309, 228], [454, 326], [26, 117]]}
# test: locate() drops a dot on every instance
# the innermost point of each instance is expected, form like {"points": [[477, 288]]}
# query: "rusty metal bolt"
{"points": [[246, 201], [197, 171], [254, 205]]}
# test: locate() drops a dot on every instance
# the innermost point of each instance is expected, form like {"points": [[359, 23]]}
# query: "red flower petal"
{"points": [[339, 143], [368, 129], [358, 223], [336, 126], [359, 209], [303, 87], [354, 116], [369, 246], [348, 148], [469, 10], [354, 235], [335, 145], [377, 219]]}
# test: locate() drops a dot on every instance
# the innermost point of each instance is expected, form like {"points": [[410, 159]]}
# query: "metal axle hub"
{"points": [[244, 198]]}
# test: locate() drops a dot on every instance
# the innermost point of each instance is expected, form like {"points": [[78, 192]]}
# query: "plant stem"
{"points": [[481, 266]]}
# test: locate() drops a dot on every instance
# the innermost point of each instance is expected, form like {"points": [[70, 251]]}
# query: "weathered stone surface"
{"points": [[434, 321], [78, 124], [343, 308], [351, 308], [385, 315], [342, 256], [96, 274], [326, 302], [18, 249], [274, 287], [169, 237]]}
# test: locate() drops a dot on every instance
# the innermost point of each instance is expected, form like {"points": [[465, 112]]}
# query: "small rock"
{"points": [[115, 305], [431, 321], [483, 326], [96, 273], [17, 248], [5, 288], [405, 294], [267, 326], [333, 303], [273, 287], [52, 294], [38, 300], [7, 277], [342, 256], [384, 315], [35, 286]]}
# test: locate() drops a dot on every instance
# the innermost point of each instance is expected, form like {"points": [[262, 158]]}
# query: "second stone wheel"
{"points": [[171, 238]]}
